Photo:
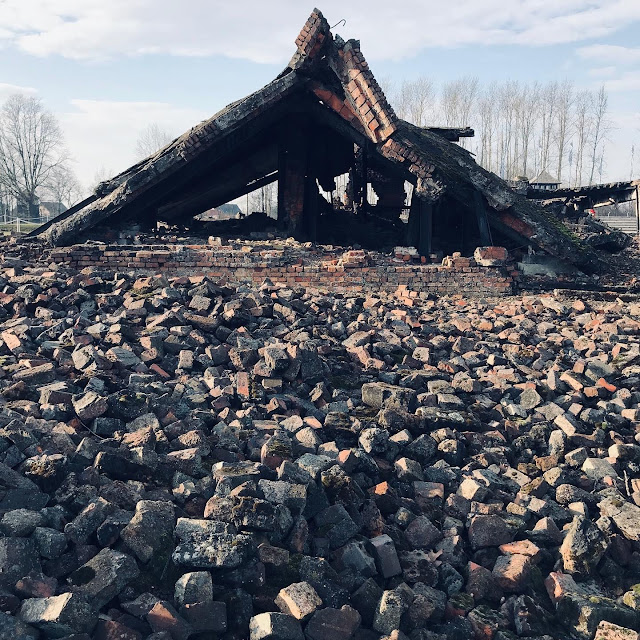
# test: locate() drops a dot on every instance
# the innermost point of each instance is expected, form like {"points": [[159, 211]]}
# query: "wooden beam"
{"points": [[364, 197], [293, 170], [483, 220], [358, 179], [170, 172], [637, 210], [222, 197], [425, 217], [282, 166], [220, 186], [311, 206]]}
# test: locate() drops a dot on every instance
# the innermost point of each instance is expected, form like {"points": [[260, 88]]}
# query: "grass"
{"points": [[25, 227]]}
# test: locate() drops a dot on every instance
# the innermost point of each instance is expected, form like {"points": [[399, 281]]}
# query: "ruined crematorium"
{"points": [[325, 116], [258, 438]]}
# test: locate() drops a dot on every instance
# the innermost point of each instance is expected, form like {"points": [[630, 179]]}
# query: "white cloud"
{"points": [[603, 72], [624, 135], [624, 65], [103, 134], [625, 121], [628, 81], [264, 31], [7, 90], [611, 54]]}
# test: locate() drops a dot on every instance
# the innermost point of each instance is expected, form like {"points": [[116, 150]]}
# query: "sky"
{"points": [[108, 68]]}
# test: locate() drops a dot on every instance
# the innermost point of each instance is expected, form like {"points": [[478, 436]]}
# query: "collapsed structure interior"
{"points": [[325, 116], [573, 202]]}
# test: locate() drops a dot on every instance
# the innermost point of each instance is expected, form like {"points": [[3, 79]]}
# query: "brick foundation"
{"points": [[338, 271]]}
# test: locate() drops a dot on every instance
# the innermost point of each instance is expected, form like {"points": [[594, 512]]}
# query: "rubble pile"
{"points": [[182, 460]]}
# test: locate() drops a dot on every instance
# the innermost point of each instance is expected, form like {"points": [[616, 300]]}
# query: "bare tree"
{"points": [[468, 95], [549, 99], [388, 87], [151, 139], [507, 105], [458, 100], [415, 100], [99, 176], [528, 112], [521, 128], [63, 187], [488, 118], [6, 202], [582, 119], [601, 126], [450, 103], [264, 200], [565, 97], [31, 148]]}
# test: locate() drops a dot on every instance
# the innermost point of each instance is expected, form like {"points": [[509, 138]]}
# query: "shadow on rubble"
{"points": [[333, 227]]}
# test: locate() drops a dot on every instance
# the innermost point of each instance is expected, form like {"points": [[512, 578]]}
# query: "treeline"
{"points": [[34, 163], [521, 128]]}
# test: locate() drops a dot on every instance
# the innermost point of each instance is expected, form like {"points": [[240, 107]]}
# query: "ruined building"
{"points": [[325, 116]]}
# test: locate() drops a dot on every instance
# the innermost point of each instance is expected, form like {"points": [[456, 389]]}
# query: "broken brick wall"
{"points": [[341, 272]]}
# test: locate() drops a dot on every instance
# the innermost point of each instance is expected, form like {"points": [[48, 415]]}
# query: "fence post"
{"points": [[637, 211]]}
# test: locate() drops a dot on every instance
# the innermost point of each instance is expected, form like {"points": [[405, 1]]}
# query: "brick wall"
{"points": [[413, 159], [313, 34], [364, 100], [337, 271], [374, 111]]}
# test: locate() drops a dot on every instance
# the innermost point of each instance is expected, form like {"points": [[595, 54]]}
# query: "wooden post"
{"points": [[483, 221], [358, 179], [637, 211], [426, 227], [282, 170], [412, 237], [461, 215], [364, 202], [292, 176], [311, 202]]}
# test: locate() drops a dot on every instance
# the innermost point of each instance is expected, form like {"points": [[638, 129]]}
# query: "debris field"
{"points": [[181, 459]]}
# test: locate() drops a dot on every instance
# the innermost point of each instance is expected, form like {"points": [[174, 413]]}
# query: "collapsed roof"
{"points": [[323, 116], [589, 196]]}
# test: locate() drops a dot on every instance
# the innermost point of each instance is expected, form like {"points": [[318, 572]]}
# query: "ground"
{"points": [[623, 269], [241, 461]]}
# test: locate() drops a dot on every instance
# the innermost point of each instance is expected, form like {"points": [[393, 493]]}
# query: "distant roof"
{"points": [[230, 207], [545, 178], [53, 206]]}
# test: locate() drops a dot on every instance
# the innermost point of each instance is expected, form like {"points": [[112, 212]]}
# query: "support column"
{"points": [[311, 208], [293, 165], [420, 225], [358, 178], [426, 226], [412, 238], [391, 197], [637, 210], [483, 220], [364, 196]]}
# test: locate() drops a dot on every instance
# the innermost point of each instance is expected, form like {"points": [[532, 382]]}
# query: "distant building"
{"points": [[544, 181], [230, 211], [42, 212], [230, 208], [51, 209], [520, 184]]}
